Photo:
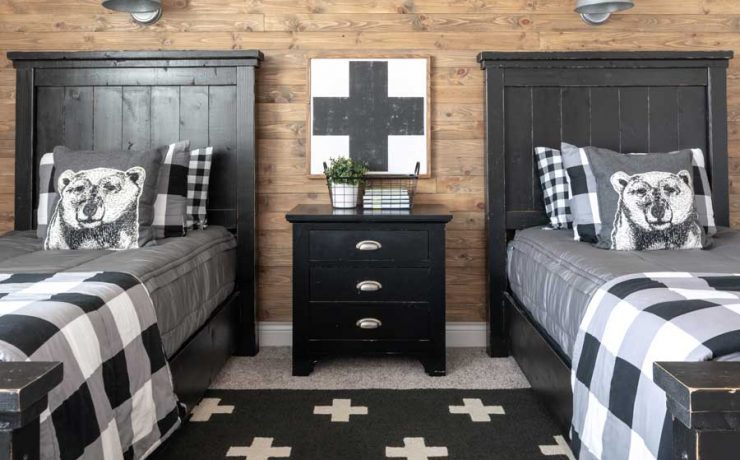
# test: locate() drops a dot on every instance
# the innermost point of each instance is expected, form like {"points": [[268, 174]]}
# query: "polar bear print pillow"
{"points": [[105, 199], [655, 210], [97, 209], [646, 201]]}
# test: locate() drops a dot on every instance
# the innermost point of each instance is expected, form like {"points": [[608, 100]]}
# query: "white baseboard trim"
{"points": [[280, 334], [461, 335]]}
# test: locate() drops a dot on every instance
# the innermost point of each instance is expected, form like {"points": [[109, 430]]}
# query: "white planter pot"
{"points": [[344, 195]]}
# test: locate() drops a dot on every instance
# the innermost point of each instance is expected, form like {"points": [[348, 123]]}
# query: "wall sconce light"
{"points": [[143, 11], [597, 12]]}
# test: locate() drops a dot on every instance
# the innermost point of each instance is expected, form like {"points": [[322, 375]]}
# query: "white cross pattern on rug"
{"points": [[207, 407], [559, 448], [415, 449], [477, 411], [261, 449], [340, 410]]}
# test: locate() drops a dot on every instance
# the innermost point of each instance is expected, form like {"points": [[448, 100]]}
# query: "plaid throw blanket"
{"points": [[630, 323], [116, 400]]}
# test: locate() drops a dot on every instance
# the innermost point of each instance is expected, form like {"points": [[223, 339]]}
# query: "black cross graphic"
{"points": [[368, 115]]}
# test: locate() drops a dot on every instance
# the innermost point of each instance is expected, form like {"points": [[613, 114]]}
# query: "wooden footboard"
{"points": [[704, 400], [24, 387]]}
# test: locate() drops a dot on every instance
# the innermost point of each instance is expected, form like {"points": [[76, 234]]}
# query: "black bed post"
{"points": [[247, 342], [24, 146], [703, 400], [717, 100], [24, 388], [495, 210]]}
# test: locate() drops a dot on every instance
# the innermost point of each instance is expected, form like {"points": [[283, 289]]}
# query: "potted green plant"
{"points": [[344, 177]]}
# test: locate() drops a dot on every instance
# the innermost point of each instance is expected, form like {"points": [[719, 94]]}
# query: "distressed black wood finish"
{"points": [[23, 396], [209, 347], [136, 100], [548, 373], [645, 101], [327, 267], [625, 101], [704, 401]]}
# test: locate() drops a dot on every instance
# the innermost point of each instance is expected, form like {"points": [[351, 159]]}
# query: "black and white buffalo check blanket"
{"points": [[116, 400], [630, 323]]}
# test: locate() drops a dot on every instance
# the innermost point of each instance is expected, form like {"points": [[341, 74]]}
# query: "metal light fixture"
{"points": [[143, 11], [597, 12]]}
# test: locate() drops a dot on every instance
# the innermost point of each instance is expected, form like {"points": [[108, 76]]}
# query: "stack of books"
{"points": [[386, 198]]}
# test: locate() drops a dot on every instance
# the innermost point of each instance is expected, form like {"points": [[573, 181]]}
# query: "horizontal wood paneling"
{"points": [[291, 31]]}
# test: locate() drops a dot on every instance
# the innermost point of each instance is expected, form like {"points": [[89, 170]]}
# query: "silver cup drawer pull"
{"points": [[368, 245], [368, 323], [369, 286]]}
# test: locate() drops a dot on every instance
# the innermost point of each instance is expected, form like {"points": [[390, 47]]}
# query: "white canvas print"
{"points": [[372, 110]]}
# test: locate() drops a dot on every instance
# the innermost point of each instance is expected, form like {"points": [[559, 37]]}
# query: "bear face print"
{"points": [[98, 209], [655, 211], [655, 200], [97, 196]]}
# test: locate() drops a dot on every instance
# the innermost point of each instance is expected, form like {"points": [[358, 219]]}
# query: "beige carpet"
{"points": [[467, 368]]}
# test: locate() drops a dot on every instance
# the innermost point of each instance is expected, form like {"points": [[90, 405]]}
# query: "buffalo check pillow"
{"points": [[170, 206], [47, 194], [584, 201], [584, 204], [199, 172], [554, 183], [703, 193]]}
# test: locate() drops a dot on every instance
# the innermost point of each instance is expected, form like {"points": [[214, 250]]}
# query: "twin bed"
{"points": [[202, 286], [567, 273], [542, 282]]}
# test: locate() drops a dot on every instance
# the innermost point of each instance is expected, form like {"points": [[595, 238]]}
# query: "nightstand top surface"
{"points": [[325, 213]]}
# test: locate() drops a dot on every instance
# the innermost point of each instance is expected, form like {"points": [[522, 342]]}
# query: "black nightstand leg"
{"points": [[434, 365], [302, 367]]}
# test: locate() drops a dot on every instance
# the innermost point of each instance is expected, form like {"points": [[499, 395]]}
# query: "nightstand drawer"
{"points": [[369, 245], [358, 284], [396, 321]]}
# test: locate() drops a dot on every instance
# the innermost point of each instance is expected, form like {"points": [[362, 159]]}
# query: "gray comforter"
{"points": [[554, 276], [187, 278]]}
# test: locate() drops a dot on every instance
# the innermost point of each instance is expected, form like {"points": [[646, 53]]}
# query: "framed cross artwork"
{"points": [[374, 110]]}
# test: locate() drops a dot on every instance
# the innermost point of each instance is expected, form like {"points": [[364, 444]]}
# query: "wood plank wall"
{"points": [[451, 31]]}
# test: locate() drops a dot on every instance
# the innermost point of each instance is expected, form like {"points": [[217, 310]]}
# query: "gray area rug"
{"points": [[467, 368]]}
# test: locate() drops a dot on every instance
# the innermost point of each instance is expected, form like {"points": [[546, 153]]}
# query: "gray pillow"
{"points": [[106, 199], [646, 201]]}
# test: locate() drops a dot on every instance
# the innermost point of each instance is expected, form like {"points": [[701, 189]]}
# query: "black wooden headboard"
{"points": [[137, 99], [624, 101]]}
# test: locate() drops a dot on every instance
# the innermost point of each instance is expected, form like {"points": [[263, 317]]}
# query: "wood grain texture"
{"points": [[290, 32]]}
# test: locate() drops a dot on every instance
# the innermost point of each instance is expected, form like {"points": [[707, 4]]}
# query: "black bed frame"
{"points": [[624, 101], [136, 100]]}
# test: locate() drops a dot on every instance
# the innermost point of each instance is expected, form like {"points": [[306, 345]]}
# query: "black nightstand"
{"points": [[368, 282]]}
